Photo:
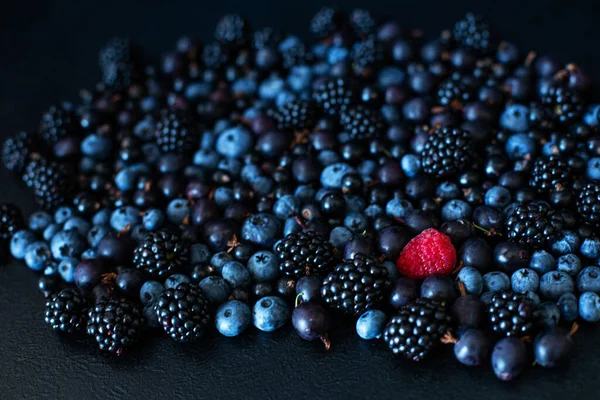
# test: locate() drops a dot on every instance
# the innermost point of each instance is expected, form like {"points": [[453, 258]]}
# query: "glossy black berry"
{"points": [[66, 311], [115, 325], [446, 152], [305, 253], [160, 254]]}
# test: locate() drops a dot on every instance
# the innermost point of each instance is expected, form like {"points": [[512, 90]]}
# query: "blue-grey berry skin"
{"points": [[174, 280], [67, 244], [495, 281], [569, 242], [554, 284], [270, 313], [590, 248], [370, 324], [178, 211], [199, 253], [569, 263], [150, 314], [588, 280], [534, 298], [20, 241], [331, 176], [509, 358], [261, 229], [39, 220], [123, 216], [456, 209], [339, 236], [102, 217], [392, 269], [234, 142], [96, 146], [525, 280], [150, 292], [472, 279], [236, 274], [37, 254], [153, 219], [547, 314], [569, 307], [542, 262], [398, 208], [286, 206], [96, 233], [233, 318], [66, 269], [219, 259], [290, 226], [263, 266], [589, 307], [50, 231], [62, 214], [216, 289], [79, 224]]}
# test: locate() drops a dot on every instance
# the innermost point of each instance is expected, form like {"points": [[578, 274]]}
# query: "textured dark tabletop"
{"points": [[49, 51]]}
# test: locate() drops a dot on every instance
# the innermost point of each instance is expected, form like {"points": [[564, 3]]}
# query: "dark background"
{"points": [[49, 51]]}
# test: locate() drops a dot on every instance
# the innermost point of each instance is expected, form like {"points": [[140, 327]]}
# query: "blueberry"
{"points": [[234, 142], [472, 348], [589, 307], [102, 217], [370, 324], [509, 358], [263, 266], [472, 279], [174, 280], [96, 233], [19, 242], [36, 255], [215, 288], [519, 146], [270, 313], [398, 208], [96, 146], [593, 168], [569, 263], [496, 281], [497, 196], [236, 274], [150, 292], [66, 269], [411, 165], [123, 216], [555, 284], [79, 224], [456, 209], [286, 206], [588, 280], [331, 176], [309, 288], [546, 315], [39, 220], [569, 307], [261, 229], [339, 236], [569, 242], [590, 248], [67, 244], [515, 118], [439, 288], [525, 280], [232, 318], [199, 253], [50, 231], [62, 214], [219, 259], [542, 262], [178, 211], [356, 221]]}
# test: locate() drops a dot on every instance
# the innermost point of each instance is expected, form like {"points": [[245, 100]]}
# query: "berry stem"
{"points": [[448, 338], [326, 341], [298, 297]]}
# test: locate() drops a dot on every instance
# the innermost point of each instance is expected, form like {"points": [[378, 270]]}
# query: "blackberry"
{"points": [[58, 122], [510, 314], [183, 312], [17, 149], [232, 30], [453, 92], [363, 22], [446, 152], [473, 33], [356, 285], [417, 328], [160, 254], [293, 52], [588, 204], [50, 182], [550, 174], [534, 224], [176, 133], [296, 115], [121, 63], [362, 123], [11, 221], [334, 96], [564, 105], [305, 253], [115, 324], [266, 37], [66, 311], [367, 54], [326, 22]]}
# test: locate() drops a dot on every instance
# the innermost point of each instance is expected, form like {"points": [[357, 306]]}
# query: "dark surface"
{"points": [[49, 51]]}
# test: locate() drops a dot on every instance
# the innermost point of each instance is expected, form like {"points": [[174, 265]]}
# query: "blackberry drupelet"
{"points": [[66, 311], [115, 324], [362, 123], [121, 63], [334, 96], [588, 204], [356, 285], [183, 312], [176, 132], [446, 152], [305, 253], [564, 105], [363, 22], [11, 221], [367, 53], [510, 314], [16, 151], [534, 224], [233, 30], [474, 33], [58, 122], [160, 254], [417, 328], [550, 174], [296, 115], [326, 22], [50, 182], [453, 92]]}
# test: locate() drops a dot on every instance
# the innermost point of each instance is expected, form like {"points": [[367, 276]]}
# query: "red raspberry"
{"points": [[429, 253]]}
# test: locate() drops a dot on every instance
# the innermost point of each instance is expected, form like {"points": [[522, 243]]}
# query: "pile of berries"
{"points": [[438, 191]]}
